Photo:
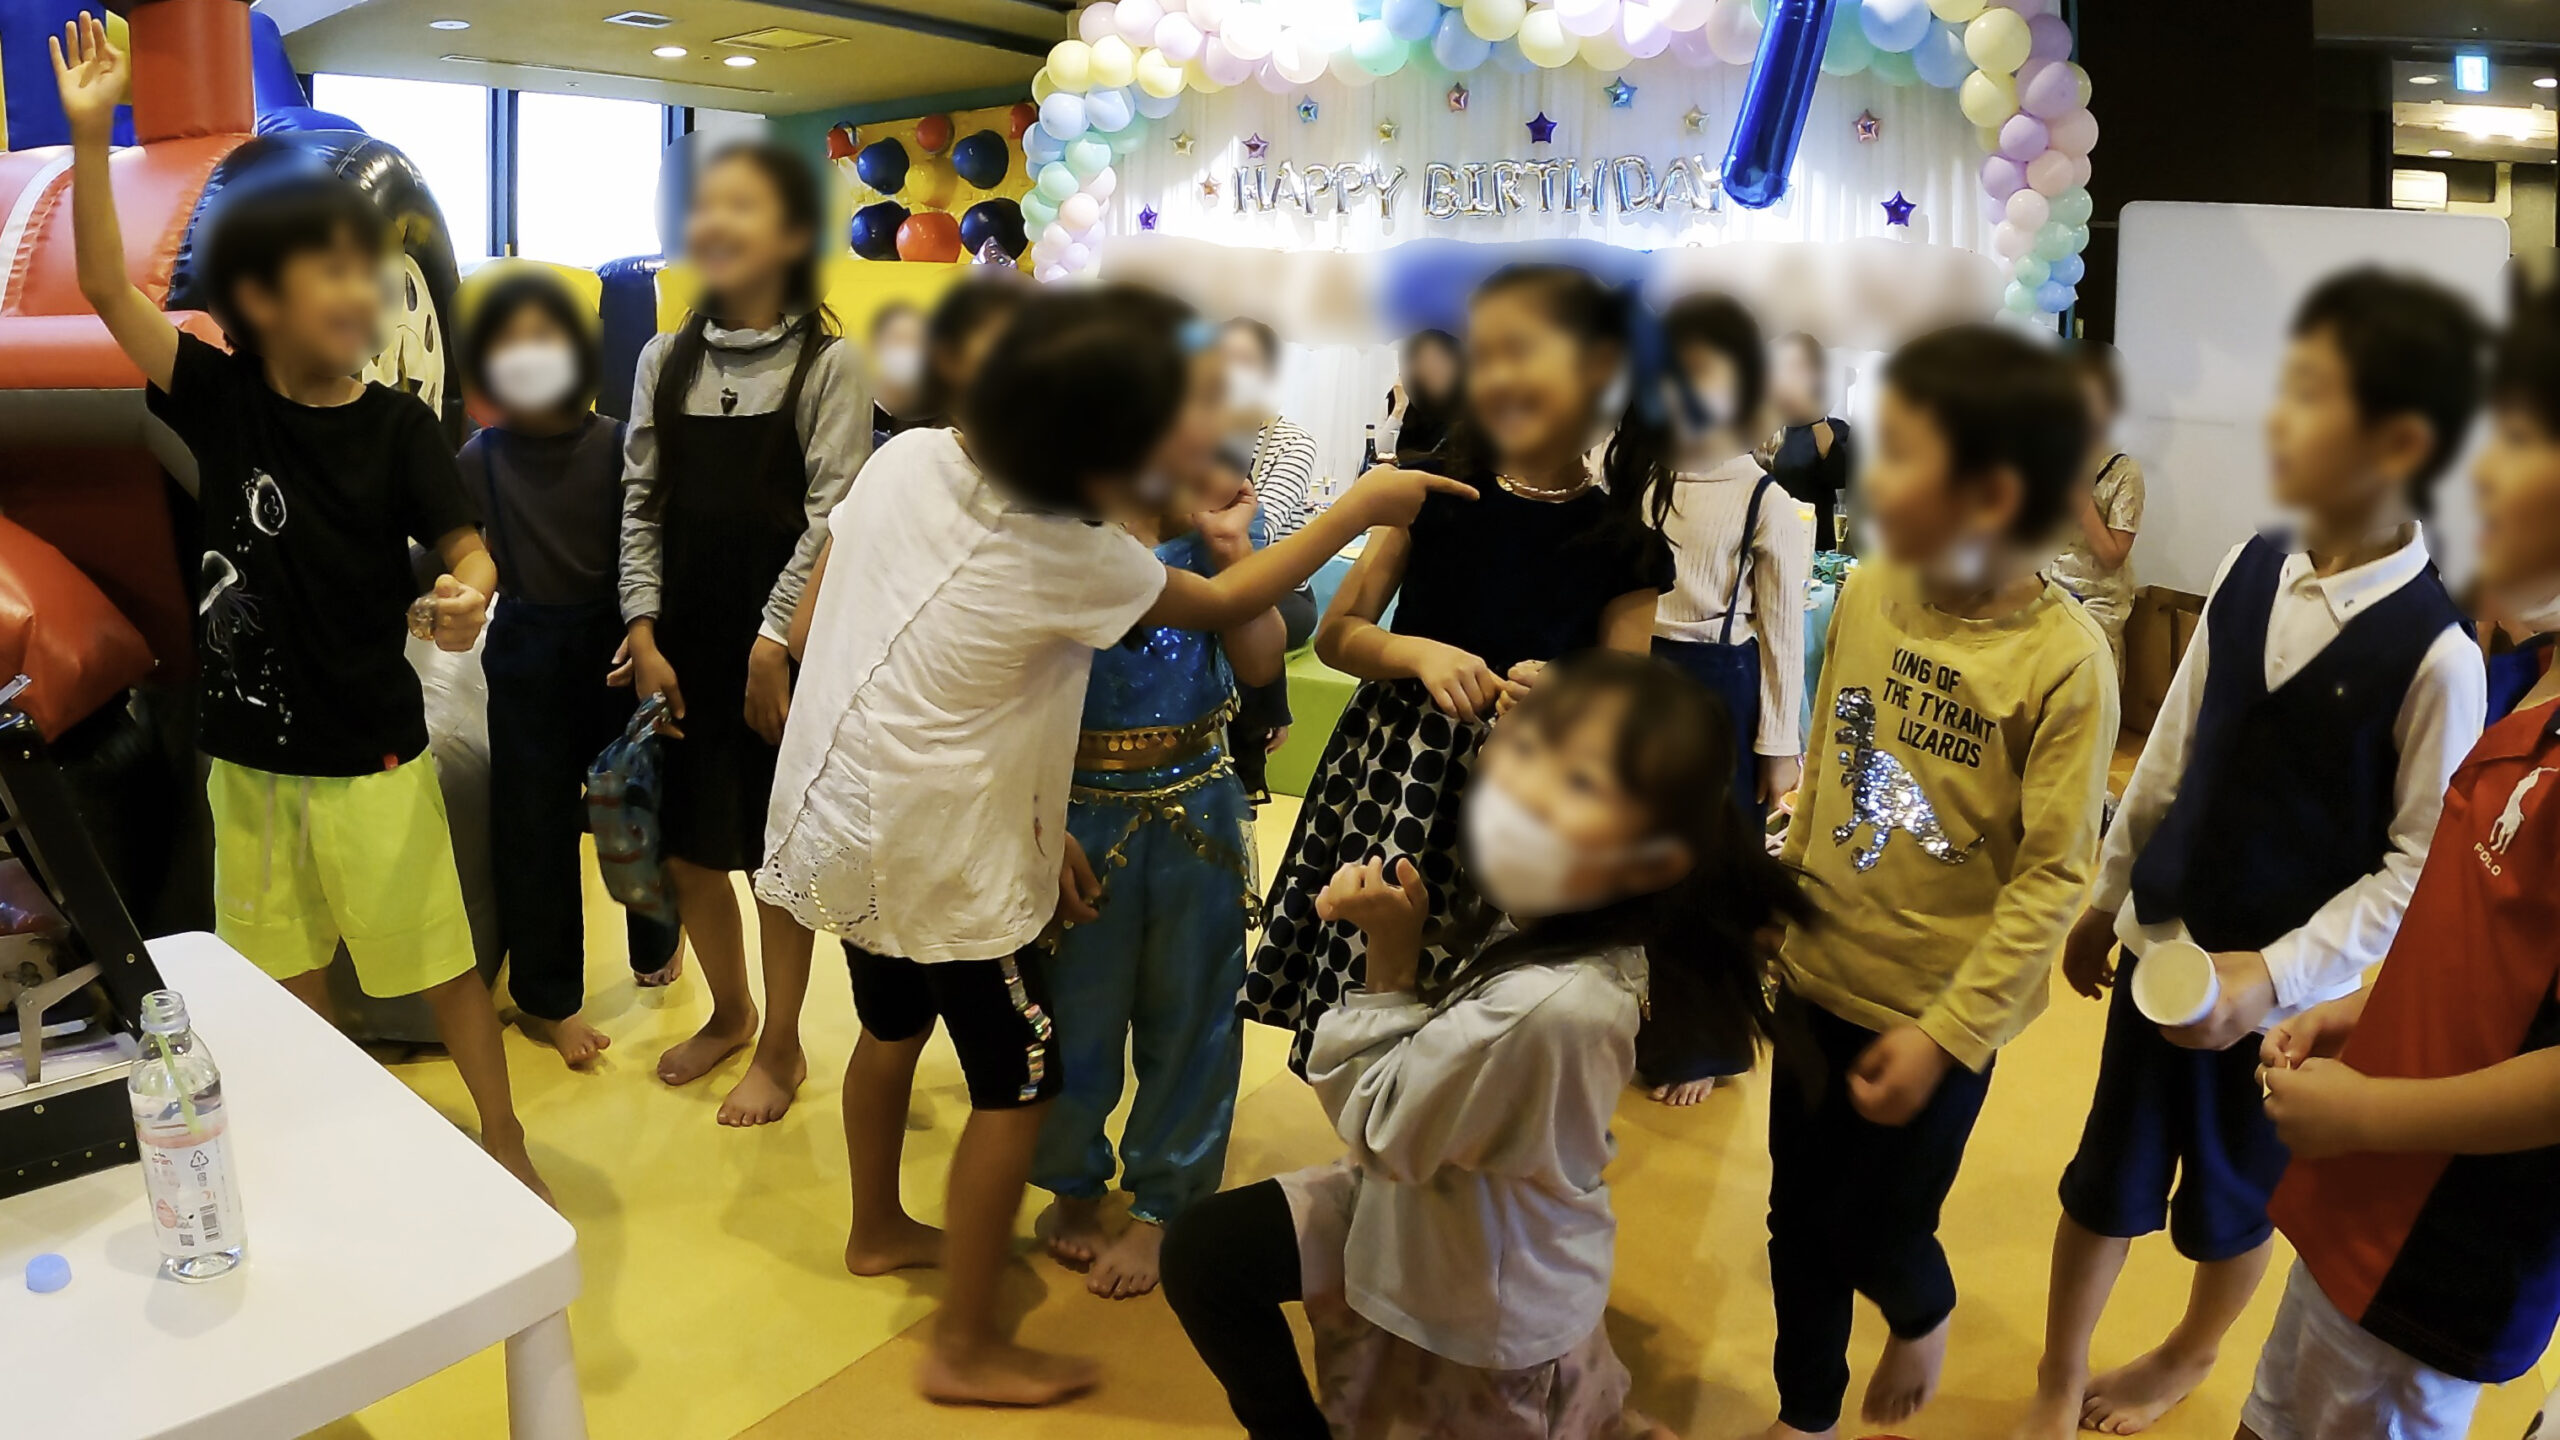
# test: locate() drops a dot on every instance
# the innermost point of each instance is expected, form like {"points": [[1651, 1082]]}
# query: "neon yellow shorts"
{"points": [[302, 862]]}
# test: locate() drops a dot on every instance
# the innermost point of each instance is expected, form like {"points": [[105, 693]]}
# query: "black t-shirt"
{"points": [[302, 602], [1511, 579], [552, 505], [1802, 470]]}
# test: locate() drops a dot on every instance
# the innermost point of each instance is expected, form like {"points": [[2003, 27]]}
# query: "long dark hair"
{"points": [[1427, 417], [804, 208], [981, 301], [1675, 754], [1637, 468]]}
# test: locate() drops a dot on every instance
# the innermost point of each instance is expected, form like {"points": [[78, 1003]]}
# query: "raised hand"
{"points": [[91, 74]]}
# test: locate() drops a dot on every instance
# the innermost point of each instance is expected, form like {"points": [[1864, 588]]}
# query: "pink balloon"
{"points": [[1224, 65], [2053, 90], [1098, 21], [2049, 38], [2049, 174], [1179, 39], [1694, 48], [2081, 170], [2027, 210], [1137, 20], [1995, 209], [2002, 177], [1270, 78], [2075, 132], [2010, 242], [2023, 138]]}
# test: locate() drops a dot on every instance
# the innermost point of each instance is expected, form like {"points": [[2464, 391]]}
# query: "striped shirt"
{"points": [[1705, 530], [1284, 474]]}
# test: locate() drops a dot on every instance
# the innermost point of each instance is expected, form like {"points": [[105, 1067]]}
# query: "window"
{"points": [[587, 177], [443, 129]]}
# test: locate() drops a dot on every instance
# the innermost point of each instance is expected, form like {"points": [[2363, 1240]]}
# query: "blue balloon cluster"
{"points": [[982, 160], [874, 232], [882, 165], [998, 220]]}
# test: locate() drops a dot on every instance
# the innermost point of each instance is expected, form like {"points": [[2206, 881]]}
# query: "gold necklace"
{"points": [[1527, 491]]}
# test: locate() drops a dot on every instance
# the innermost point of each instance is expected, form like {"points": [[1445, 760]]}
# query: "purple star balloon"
{"points": [[1897, 211], [1869, 127], [1254, 145], [1147, 217], [1542, 131]]}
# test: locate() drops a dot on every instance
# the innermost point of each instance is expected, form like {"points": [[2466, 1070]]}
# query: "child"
{"points": [[2278, 817], [1744, 556], [1810, 453], [1456, 1263], [328, 823], [963, 323], [1157, 808], [897, 370], [1547, 562], [1283, 463], [2093, 565], [747, 427], [1950, 819], [548, 475], [2427, 1269], [921, 805]]}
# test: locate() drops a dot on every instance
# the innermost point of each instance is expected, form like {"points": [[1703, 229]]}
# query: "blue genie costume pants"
{"points": [[1153, 981]]}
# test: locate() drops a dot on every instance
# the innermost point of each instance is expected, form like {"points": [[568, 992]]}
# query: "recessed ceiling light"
{"points": [[2426, 79], [2439, 154], [669, 52], [2547, 82], [738, 62], [448, 24]]}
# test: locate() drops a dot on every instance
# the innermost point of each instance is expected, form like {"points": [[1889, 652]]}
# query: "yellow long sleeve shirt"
{"points": [[1950, 811]]}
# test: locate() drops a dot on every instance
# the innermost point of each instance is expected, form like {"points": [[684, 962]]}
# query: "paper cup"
{"points": [[2174, 983]]}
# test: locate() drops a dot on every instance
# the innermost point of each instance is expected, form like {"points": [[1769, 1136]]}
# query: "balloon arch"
{"points": [[2009, 64]]}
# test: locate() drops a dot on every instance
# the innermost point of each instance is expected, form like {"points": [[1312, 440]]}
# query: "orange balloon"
{"points": [[930, 235], [933, 132], [1022, 117]]}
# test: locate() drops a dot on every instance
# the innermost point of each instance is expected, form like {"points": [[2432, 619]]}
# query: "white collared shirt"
{"points": [[2439, 720]]}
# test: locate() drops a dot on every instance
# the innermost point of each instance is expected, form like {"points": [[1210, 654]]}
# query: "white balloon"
{"points": [[1138, 20], [1348, 70], [1098, 21], [1249, 32], [1209, 15], [1684, 14], [1733, 31], [1300, 61], [1054, 237], [1642, 30], [1104, 181], [1078, 212], [1179, 39], [1586, 17], [1325, 25], [1051, 273], [1077, 257]]}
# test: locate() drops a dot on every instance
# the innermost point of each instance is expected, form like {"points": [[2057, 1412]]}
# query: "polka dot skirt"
{"points": [[1388, 785]]}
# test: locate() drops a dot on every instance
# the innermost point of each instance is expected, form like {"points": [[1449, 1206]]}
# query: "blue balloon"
{"points": [[1456, 47], [2069, 270], [1367, 9], [1411, 19], [1063, 116], [997, 220], [1895, 25], [1040, 147], [982, 159], [1775, 100], [1108, 111], [1508, 59], [2053, 297], [1940, 57], [882, 165], [1156, 108], [874, 233]]}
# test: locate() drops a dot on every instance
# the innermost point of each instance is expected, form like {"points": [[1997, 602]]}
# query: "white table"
{"points": [[383, 1247]]}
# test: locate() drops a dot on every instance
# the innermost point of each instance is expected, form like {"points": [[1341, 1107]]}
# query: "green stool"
{"points": [[1317, 695]]}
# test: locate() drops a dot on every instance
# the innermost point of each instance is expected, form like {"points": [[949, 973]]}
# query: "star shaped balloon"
{"points": [[1542, 131], [992, 253], [1458, 96], [1307, 110], [1386, 130], [1695, 120], [1209, 189], [1183, 144], [1622, 96], [1255, 145], [1869, 127], [1147, 217], [1897, 211]]}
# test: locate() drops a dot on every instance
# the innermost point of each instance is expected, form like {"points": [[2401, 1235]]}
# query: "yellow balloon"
{"points": [[1042, 87], [1988, 137], [1603, 53], [1071, 66], [1158, 76], [1199, 79], [2086, 89], [1545, 41], [1494, 19], [931, 183], [1988, 99], [1114, 63], [1999, 41], [1956, 12]]}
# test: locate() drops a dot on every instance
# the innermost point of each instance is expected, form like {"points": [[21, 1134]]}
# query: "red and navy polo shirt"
{"points": [[2455, 1259]]}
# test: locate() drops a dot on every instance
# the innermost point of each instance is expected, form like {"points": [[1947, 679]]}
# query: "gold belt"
{"points": [[1153, 745]]}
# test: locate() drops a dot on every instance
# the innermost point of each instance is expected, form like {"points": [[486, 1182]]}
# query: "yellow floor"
{"points": [[716, 1305]]}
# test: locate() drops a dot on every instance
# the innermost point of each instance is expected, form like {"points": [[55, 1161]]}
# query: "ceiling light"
{"points": [[640, 19], [2426, 79], [2439, 154], [2547, 82], [738, 62], [2471, 73], [669, 52], [448, 24]]}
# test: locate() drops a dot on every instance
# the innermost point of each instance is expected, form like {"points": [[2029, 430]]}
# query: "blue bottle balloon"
{"points": [[1775, 101]]}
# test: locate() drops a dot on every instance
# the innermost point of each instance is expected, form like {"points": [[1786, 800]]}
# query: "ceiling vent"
{"points": [[781, 39], [641, 20]]}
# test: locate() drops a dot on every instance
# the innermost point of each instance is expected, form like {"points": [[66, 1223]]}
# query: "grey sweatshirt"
{"points": [[834, 425]]}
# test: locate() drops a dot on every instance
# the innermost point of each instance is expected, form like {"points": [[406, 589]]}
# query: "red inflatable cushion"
{"points": [[58, 629]]}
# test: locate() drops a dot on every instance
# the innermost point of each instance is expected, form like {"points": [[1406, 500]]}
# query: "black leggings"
{"points": [[1230, 1262]]}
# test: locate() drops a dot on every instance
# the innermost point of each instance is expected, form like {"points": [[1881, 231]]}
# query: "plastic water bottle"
{"points": [[186, 1158]]}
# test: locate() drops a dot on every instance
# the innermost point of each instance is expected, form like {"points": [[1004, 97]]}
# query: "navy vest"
{"points": [[2289, 793]]}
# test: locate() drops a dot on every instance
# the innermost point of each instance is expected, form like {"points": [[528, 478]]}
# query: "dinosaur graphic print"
{"points": [[1884, 796]]}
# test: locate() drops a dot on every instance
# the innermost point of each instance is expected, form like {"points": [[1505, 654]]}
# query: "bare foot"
{"points": [[508, 1150], [1906, 1376], [1682, 1095], [2130, 1400], [1005, 1375], [910, 1244], [2055, 1412], [664, 976], [691, 1058], [762, 1096], [1071, 1231], [578, 1042], [1781, 1430], [1128, 1269]]}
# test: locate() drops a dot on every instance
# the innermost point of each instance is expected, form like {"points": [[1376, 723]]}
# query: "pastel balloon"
{"points": [[2074, 132], [1159, 81], [1893, 67], [1733, 32], [1379, 50], [2030, 271], [2081, 170], [1080, 212], [2052, 240], [2027, 210], [1846, 52], [2073, 208], [1955, 12], [1101, 186], [1508, 59], [1411, 19], [1098, 21], [2002, 177], [1040, 147], [1250, 32], [1693, 49], [1078, 257], [1545, 41], [2010, 242], [2051, 91], [1179, 39], [1057, 182], [1037, 210], [1223, 64], [1070, 65], [1300, 60], [1137, 21], [1054, 237], [1209, 15], [1995, 209], [1049, 274], [1109, 110], [1603, 53], [1494, 19], [1893, 25], [2022, 137], [1345, 67], [2081, 73], [1063, 116], [2070, 270], [2050, 37], [1940, 57], [1641, 31], [1987, 99], [1325, 24], [1268, 76], [2053, 297], [1988, 137], [1086, 158], [2050, 173], [1114, 63], [1998, 41], [2017, 299], [1684, 15], [1042, 87], [1127, 140], [1586, 18]]}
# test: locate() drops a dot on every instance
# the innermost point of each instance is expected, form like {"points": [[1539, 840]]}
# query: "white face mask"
{"points": [[533, 377], [2541, 616], [901, 367], [1964, 563], [1249, 391], [1518, 862]]}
